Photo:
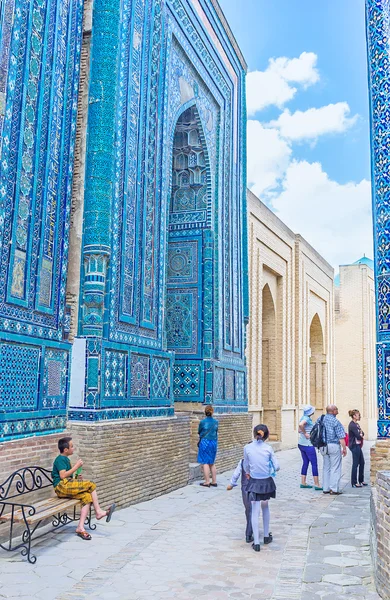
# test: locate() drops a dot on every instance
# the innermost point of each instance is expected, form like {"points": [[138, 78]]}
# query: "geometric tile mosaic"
{"points": [[218, 384], [182, 320], [160, 373], [240, 386], [19, 372], [182, 262], [115, 374], [377, 35], [186, 380], [55, 378], [139, 376], [229, 384]]}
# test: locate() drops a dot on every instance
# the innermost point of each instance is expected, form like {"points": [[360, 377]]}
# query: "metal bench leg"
{"points": [[26, 539], [88, 520]]}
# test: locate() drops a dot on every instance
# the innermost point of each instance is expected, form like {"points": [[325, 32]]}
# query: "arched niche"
{"points": [[187, 226], [318, 364], [269, 363]]}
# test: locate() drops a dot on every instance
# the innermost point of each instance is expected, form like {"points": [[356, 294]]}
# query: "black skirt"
{"points": [[261, 489]]}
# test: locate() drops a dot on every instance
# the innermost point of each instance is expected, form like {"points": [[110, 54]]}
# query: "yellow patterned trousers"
{"points": [[72, 488]]}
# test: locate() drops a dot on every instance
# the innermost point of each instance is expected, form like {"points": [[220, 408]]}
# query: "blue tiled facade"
{"points": [[163, 293], [39, 73], [378, 31]]}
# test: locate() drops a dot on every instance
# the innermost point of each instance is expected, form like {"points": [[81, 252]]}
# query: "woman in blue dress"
{"points": [[208, 443]]}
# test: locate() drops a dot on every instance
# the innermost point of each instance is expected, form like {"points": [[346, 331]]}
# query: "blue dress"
{"points": [[208, 434]]}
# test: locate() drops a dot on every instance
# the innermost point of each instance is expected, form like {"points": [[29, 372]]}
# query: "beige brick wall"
{"points": [[234, 432], [379, 458], [290, 283], [380, 541], [132, 461], [34, 451], [355, 347]]}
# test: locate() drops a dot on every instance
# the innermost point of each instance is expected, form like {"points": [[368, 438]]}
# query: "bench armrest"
{"points": [[17, 506]]}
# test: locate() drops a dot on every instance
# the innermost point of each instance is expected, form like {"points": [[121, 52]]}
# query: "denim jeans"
{"points": [[309, 455]]}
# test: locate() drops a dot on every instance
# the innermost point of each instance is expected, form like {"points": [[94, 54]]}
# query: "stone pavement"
{"points": [[189, 544]]}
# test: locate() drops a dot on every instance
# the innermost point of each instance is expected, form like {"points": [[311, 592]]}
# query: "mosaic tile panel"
{"points": [[39, 425], [41, 88], [218, 384], [110, 414], [240, 386], [115, 374], [182, 262], [160, 374], [229, 384], [55, 377], [40, 43], [19, 375], [186, 380], [139, 376], [378, 31], [182, 320]]}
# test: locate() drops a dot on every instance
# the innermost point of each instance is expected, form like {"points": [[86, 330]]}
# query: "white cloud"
{"points": [[311, 123], [272, 86], [334, 218], [268, 157]]}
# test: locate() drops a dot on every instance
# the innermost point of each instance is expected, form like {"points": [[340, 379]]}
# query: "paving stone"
{"points": [[201, 535], [340, 548], [341, 561], [342, 579]]}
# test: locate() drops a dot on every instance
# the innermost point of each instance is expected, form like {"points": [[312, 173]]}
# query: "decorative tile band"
{"points": [[21, 428], [86, 415]]}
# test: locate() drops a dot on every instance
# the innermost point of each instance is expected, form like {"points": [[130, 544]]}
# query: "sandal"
{"points": [[84, 535], [204, 484], [214, 484], [110, 511]]}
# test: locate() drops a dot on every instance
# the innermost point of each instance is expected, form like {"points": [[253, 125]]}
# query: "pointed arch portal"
{"points": [[187, 231]]}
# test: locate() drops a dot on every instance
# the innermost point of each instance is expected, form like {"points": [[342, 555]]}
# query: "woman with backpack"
{"points": [[307, 449]]}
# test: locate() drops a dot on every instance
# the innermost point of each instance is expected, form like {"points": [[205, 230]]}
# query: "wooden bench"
{"points": [[31, 514]]}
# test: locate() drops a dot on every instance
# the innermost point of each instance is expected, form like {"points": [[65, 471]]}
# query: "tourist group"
{"points": [[259, 464]]}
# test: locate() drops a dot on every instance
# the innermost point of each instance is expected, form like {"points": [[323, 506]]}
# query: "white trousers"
{"points": [[332, 467]]}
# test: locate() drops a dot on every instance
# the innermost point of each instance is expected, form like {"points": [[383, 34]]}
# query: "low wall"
{"points": [[379, 458], [380, 533], [133, 460]]}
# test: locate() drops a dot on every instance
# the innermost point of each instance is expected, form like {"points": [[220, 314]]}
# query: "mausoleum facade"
{"points": [[123, 221]]}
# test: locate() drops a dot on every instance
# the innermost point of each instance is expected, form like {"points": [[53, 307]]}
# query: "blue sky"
{"points": [[288, 141]]}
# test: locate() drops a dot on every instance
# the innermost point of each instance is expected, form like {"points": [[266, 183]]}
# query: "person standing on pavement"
{"points": [[355, 444], [307, 449], [333, 452], [260, 466], [239, 472], [207, 445]]}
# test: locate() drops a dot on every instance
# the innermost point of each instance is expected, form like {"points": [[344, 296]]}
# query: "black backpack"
{"points": [[318, 433]]}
